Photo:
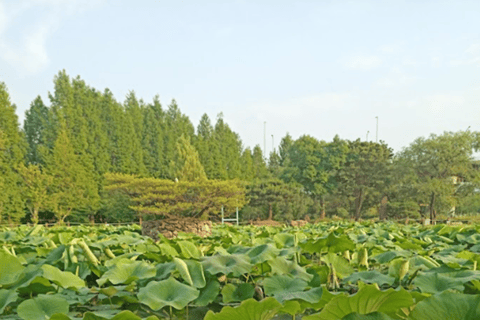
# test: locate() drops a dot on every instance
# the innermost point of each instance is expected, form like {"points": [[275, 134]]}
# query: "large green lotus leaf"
{"points": [[42, 307], [370, 277], [232, 293], [463, 275], [169, 292], [424, 262], [7, 297], [167, 250], [262, 253], [236, 264], [370, 316], [291, 307], [10, 268], [342, 267], [63, 279], [123, 315], [164, 270], [448, 305], [249, 310], [367, 300], [191, 271], [28, 275], [436, 283], [284, 240], [282, 266], [279, 284], [388, 256], [208, 294], [125, 271], [189, 250], [330, 242], [285, 288]]}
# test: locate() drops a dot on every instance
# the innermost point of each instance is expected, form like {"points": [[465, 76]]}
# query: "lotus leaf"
{"points": [[169, 292], [249, 310], [42, 307]]}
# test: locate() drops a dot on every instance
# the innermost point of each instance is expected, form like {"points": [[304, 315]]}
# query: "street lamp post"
{"points": [[376, 138]]}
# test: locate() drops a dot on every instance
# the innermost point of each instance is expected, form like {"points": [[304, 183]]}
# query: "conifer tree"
{"points": [[73, 186], [248, 173], [35, 124], [259, 166], [12, 154], [191, 168], [176, 124], [152, 138]]}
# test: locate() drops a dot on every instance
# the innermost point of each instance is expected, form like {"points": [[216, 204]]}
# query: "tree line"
{"points": [[60, 166]]}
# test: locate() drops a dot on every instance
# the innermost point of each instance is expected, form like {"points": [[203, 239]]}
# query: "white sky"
{"points": [[305, 67]]}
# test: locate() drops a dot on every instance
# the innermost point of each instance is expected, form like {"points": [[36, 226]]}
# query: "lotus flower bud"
{"points": [[404, 266], [363, 258]]}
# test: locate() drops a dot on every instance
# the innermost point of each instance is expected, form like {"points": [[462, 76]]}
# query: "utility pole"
{"points": [[367, 135], [273, 148], [265, 139], [376, 140]]}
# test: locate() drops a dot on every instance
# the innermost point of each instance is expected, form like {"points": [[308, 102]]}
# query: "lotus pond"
{"points": [[337, 270]]}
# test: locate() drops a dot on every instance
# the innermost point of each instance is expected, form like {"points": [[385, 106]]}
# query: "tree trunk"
{"points": [[382, 211], [358, 204], [270, 212], [433, 214], [35, 216], [322, 203]]}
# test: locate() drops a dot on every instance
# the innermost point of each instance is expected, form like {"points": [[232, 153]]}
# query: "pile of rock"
{"points": [[170, 227]]}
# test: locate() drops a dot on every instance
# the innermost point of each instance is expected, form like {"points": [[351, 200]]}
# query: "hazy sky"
{"points": [[305, 67]]}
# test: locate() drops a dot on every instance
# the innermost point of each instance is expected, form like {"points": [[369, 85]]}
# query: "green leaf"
{"points": [[436, 283], [191, 271], [262, 253], [448, 305], [164, 270], [10, 268], [234, 293], [331, 242], [169, 292], [282, 266], [7, 297], [249, 310], [285, 288], [370, 277], [370, 316], [189, 250], [341, 265], [63, 279], [235, 264], [291, 307], [42, 307], [125, 271], [368, 299], [208, 294]]}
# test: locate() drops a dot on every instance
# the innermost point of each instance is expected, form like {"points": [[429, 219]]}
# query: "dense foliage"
{"points": [[55, 168], [334, 270]]}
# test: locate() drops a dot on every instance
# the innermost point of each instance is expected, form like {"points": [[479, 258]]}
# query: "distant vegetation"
{"points": [[56, 167]]}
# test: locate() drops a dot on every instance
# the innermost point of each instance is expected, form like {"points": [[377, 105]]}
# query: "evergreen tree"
{"points": [[259, 165], [12, 154], [36, 185], [248, 171], [191, 168], [35, 124], [73, 186], [176, 124], [230, 151], [207, 147], [152, 138]]}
